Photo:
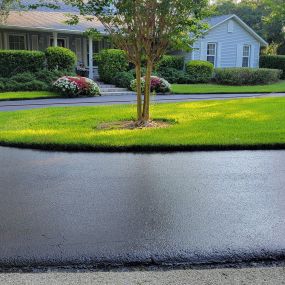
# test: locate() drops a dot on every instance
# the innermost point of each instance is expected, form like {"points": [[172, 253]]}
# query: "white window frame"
{"points": [[64, 39], [212, 55], [246, 56], [17, 35]]}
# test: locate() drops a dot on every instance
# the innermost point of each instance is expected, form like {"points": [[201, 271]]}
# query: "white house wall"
{"points": [[229, 44]]}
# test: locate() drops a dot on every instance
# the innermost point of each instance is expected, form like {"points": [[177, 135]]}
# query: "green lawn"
{"points": [[225, 124], [27, 95], [215, 88]]}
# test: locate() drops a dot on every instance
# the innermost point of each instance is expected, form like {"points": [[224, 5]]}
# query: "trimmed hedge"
{"points": [[246, 76], [173, 75], [39, 81], [17, 61], [171, 61], [124, 79], [273, 62], [111, 62], [199, 71], [59, 58]]}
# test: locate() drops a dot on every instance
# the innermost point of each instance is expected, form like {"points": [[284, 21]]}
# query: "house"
{"points": [[229, 42]]}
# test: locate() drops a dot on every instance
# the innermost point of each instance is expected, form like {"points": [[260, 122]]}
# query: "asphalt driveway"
{"points": [[113, 100], [80, 208]]}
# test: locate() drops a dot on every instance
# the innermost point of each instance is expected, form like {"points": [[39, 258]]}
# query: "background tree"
{"points": [[146, 28], [258, 14], [5, 7]]}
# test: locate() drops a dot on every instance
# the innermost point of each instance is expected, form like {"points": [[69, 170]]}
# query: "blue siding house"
{"points": [[229, 42]]}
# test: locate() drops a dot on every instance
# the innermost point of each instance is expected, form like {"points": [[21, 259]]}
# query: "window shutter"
{"points": [[78, 49], [35, 42], [252, 56], [239, 55], [203, 51], [1, 41], [219, 55]]}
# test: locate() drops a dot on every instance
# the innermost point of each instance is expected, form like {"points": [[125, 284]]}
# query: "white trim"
{"points": [[19, 35], [219, 54], [216, 52], [85, 52], [249, 55], [44, 29], [91, 72], [244, 25]]}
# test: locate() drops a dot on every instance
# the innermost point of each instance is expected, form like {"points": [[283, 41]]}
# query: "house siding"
{"points": [[228, 40]]}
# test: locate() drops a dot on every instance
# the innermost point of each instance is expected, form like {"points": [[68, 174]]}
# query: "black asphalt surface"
{"points": [[81, 208], [122, 99]]}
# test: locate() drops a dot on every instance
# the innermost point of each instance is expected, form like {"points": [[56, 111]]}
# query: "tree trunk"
{"points": [[139, 93], [146, 114]]}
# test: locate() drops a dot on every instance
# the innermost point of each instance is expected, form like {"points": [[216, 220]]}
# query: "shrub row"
{"points": [[246, 76], [273, 62], [13, 62], [27, 81]]}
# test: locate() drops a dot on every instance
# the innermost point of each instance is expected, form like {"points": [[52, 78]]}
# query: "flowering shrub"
{"points": [[76, 86], [159, 85]]}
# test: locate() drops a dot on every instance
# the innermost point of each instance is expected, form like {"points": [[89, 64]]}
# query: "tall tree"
{"points": [[256, 14], [146, 28], [5, 7]]}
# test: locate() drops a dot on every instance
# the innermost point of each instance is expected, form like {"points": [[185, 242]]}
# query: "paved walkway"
{"points": [[112, 100]]}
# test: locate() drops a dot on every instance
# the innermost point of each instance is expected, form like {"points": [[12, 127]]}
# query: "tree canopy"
{"points": [[266, 17]]}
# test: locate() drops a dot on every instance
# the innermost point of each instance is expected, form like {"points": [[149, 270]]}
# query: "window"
{"points": [[17, 42], [60, 42], [211, 53], [246, 56]]}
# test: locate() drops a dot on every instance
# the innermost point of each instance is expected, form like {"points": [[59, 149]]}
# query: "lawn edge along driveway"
{"points": [[27, 95], [278, 87], [205, 125]]}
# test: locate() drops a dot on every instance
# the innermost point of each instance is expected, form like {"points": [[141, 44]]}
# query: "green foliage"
{"points": [[14, 61], [50, 76], [170, 61], [259, 15], [27, 81], [173, 75], [59, 58], [34, 85], [274, 62], [123, 79], [110, 62], [246, 76], [199, 71]]}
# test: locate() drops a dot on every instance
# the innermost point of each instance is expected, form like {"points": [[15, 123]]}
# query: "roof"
{"points": [[218, 20], [54, 21], [48, 21]]}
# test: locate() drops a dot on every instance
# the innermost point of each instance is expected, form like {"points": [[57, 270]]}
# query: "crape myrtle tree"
{"points": [[145, 29]]}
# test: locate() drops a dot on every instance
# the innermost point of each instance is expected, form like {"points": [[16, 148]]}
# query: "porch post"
{"points": [[91, 75], [55, 39]]}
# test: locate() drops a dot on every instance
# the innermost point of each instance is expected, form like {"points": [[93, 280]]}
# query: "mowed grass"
{"points": [[215, 88], [224, 124], [27, 95]]}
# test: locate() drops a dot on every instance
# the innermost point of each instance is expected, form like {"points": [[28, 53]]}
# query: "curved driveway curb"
{"points": [[113, 100]]}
